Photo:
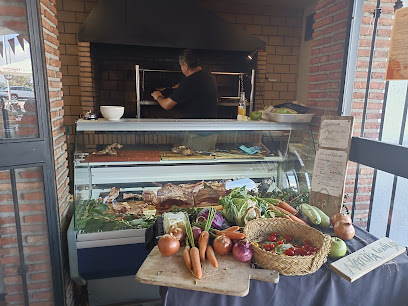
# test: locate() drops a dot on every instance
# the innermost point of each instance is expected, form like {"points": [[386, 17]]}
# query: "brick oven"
{"points": [[126, 55]]}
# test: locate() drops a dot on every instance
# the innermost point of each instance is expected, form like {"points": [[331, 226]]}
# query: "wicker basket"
{"points": [[258, 230]]}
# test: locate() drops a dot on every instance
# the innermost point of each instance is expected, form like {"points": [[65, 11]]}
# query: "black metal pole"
{"points": [[384, 107], [377, 13], [23, 269], [398, 5]]}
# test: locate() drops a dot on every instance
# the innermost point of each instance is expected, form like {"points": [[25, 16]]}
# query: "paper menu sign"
{"points": [[335, 134], [330, 165], [397, 64], [329, 172]]}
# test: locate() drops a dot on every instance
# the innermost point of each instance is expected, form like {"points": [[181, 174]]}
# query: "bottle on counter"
{"points": [[242, 105]]}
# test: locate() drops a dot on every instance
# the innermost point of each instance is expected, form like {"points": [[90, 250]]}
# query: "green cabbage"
{"points": [[235, 205]]}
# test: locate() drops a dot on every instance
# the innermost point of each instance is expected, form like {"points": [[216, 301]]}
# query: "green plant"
{"points": [[95, 216]]}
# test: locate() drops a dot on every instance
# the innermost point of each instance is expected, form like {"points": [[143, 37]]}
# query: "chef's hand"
{"points": [[156, 94]]}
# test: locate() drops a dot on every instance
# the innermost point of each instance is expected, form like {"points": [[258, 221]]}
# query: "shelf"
{"points": [[190, 161], [152, 102], [171, 173], [166, 125]]}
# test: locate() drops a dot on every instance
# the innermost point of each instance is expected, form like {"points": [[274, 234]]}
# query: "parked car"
{"points": [[17, 92]]}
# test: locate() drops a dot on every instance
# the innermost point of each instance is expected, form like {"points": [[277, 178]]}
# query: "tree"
{"points": [[20, 81]]}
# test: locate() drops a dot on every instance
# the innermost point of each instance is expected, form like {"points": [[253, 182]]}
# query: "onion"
{"points": [[338, 217], [196, 233], [168, 245], [344, 229], [242, 251], [178, 233], [222, 244]]}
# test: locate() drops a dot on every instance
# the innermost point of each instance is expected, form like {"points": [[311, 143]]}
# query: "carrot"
{"points": [[282, 210], [187, 258], [195, 261], [234, 235], [271, 206], [202, 243], [287, 207], [211, 256], [231, 229], [294, 218]]}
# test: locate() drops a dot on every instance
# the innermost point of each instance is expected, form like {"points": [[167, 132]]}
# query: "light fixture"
{"points": [[251, 56]]}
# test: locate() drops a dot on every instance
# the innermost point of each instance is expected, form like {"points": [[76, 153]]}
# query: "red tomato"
{"points": [[267, 247], [272, 238], [311, 249], [289, 252], [288, 238], [300, 251], [272, 246], [274, 234], [308, 243], [280, 240], [279, 243]]}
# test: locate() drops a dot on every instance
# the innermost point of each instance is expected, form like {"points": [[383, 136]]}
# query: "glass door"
{"points": [[30, 261]]}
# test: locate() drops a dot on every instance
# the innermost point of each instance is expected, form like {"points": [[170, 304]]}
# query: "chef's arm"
{"points": [[166, 103]]}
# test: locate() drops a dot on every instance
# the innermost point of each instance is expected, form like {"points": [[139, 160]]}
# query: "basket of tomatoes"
{"points": [[289, 247]]}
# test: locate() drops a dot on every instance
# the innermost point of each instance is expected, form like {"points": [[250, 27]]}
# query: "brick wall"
{"points": [[54, 73], [71, 15], [327, 58], [281, 29], [375, 98]]}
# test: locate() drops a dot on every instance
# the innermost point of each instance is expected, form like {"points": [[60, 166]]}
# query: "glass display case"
{"points": [[128, 171]]}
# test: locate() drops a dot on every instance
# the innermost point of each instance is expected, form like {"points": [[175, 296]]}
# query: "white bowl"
{"points": [[112, 112]]}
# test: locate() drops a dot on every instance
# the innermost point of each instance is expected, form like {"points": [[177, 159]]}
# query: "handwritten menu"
{"points": [[330, 166], [335, 134], [397, 64], [361, 262], [329, 171]]}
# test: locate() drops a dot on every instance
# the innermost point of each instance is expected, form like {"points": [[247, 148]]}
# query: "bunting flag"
{"points": [[1, 49], [21, 41], [12, 45], [26, 38]]}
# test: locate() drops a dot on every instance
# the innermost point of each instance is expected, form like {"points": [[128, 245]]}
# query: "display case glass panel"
{"points": [[127, 172]]}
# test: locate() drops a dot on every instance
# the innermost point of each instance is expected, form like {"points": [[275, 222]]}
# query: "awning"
{"points": [[22, 68]]}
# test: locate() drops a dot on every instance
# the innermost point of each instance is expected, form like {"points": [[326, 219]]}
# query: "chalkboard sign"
{"points": [[359, 263]]}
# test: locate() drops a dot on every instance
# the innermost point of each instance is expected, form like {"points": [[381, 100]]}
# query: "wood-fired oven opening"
{"points": [[114, 77]]}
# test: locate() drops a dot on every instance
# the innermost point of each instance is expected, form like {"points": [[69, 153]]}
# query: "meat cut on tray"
{"points": [[170, 195], [182, 195]]}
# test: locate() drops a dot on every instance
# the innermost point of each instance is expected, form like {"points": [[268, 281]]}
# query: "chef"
{"points": [[196, 95]]}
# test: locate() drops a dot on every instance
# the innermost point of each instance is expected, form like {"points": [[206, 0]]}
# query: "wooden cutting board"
{"points": [[126, 156], [231, 277]]}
